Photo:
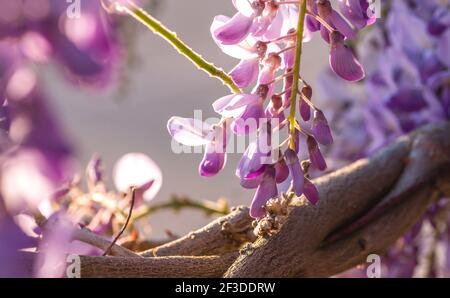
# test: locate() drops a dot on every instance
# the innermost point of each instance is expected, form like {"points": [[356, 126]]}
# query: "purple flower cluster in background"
{"points": [[407, 85], [37, 172], [262, 35]]}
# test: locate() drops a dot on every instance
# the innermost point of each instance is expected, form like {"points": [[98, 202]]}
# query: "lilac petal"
{"points": [[305, 109], [356, 12], [189, 132], [255, 157], [265, 191], [244, 50], [315, 155], [325, 34], [137, 170], [245, 73], [296, 171], [310, 191], [342, 26], [282, 171], [250, 120], [260, 27], [343, 61], [235, 30], [288, 58], [276, 26], [213, 161], [320, 128], [312, 24], [234, 105], [253, 180]]}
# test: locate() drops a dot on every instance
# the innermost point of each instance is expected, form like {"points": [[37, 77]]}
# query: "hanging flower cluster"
{"points": [[263, 35], [408, 85]]}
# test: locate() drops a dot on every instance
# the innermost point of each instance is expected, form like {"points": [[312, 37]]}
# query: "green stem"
{"points": [[296, 70], [178, 203], [154, 25]]}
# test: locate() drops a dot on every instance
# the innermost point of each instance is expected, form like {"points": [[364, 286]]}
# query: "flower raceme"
{"points": [[407, 85], [263, 35]]}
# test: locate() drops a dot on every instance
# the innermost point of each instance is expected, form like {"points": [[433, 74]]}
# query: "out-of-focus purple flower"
{"points": [[53, 249], [94, 171], [86, 46], [139, 171], [406, 87], [357, 12], [12, 241]]}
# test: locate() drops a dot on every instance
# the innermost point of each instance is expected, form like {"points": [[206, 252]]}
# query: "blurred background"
{"points": [[156, 84]]}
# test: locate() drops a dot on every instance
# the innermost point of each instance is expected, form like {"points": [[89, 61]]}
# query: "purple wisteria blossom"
{"points": [[262, 34], [406, 86]]}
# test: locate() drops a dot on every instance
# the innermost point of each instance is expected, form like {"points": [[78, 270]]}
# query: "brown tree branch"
{"points": [[226, 234], [363, 209], [88, 237], [348, 197], [185, 267]]}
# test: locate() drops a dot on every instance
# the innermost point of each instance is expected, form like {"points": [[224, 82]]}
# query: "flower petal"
{"points": [[311, 192], [265, 191], [296, 171], [320, 128], [343, 61], [315, 155], [234, 30], [245, 73]]}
